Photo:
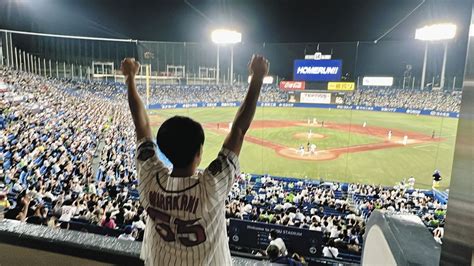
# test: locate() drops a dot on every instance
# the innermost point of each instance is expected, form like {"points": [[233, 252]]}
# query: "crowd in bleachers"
{"points": [[211, 93], [438, 100], [443, 101], [337, 210], [48, 146], [67, 154]]}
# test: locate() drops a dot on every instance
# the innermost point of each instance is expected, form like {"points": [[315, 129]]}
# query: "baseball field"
{"points": [[332, 144]]}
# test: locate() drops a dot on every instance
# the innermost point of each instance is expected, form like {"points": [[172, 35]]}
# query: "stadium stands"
{"points": [[442, 101], [67, 149]]}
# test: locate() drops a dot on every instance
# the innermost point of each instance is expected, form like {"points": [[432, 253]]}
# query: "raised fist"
{"points": [[129, 67], [258, 66]]}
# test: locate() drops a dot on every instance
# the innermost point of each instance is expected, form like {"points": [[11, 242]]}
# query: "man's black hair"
{"points": [[180, 139], [273, 252], [273, 234]]}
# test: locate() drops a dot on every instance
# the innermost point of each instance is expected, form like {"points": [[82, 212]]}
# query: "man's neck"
{"points": [[182, 172]]}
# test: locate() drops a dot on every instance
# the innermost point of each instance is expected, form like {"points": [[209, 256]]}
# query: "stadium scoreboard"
{"points": [[317, 70]]}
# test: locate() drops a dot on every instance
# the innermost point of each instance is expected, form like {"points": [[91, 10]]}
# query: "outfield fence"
{"points": [[309, 105]]}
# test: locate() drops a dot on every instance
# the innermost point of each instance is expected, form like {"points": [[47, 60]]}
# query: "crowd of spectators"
{"points": [[428, 99], [67, 155], [438, 100], [339, 211], [167, 94]]}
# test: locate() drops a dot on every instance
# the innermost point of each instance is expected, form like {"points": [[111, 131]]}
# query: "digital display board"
{"points": [[317, 70]]}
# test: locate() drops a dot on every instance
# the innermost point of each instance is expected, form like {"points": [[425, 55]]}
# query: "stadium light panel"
{"points": [[266, 79], [436, 32], [222, 36]]}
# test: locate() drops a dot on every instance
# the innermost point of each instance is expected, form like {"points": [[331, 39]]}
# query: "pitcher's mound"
{"points": [[306, 136]]}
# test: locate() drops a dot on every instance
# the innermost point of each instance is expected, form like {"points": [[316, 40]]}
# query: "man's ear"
{"points": [[200, 151], [198, 157]]}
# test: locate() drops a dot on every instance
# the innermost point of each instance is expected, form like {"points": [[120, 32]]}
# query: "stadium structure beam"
{"points": [[12, 62], [16, 59], [435, 32], [35, 66], [23, 60], [68, 36], [443, 69], [6, 49], [217, 66], [26, 58], [20, 64]]}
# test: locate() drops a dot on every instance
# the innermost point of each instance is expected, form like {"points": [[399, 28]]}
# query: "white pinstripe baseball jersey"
{"points": [[186, 216]]}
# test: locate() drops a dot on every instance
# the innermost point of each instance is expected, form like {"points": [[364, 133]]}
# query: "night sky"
{"points": [[258, 20], [265, 25]]}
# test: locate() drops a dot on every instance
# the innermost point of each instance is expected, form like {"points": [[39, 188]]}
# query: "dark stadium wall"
{"points": [[458, 247]]}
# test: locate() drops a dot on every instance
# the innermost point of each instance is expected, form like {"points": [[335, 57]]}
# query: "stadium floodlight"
{"points": [[435, 32], [222, 37]]}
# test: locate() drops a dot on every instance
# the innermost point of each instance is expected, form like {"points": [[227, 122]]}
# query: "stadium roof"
{"points": [[258, 20]]}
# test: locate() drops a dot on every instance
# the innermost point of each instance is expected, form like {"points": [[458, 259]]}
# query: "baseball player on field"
{"points": [[186, 214], [313, 149]]}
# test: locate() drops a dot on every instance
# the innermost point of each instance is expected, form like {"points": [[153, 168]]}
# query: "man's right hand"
{"points": [[129, 67], [258, 66]]}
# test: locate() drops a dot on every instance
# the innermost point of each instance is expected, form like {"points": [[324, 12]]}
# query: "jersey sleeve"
{"points": [[148, 166], [220, 175]]}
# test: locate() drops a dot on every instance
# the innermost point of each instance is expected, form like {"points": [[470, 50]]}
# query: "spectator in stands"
{"points": [[353, 246], [67, 211], [438, 233], [330, 251], [275, 256], [22, 208], [278, 242], [39, 217], [127, 235], [108, 222], [4, 203], [52, 222]]}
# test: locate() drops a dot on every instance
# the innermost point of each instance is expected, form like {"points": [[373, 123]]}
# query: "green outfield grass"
{"points": [[385, 167], [333, 139]]}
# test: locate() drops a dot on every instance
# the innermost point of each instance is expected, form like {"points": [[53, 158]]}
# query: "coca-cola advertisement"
{"points": [[292, 85]]}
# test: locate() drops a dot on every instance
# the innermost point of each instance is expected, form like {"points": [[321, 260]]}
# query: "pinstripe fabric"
{"points": [[203, 196]]}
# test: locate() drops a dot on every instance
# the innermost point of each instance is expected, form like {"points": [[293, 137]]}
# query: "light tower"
{"points": [[223, 37]]}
